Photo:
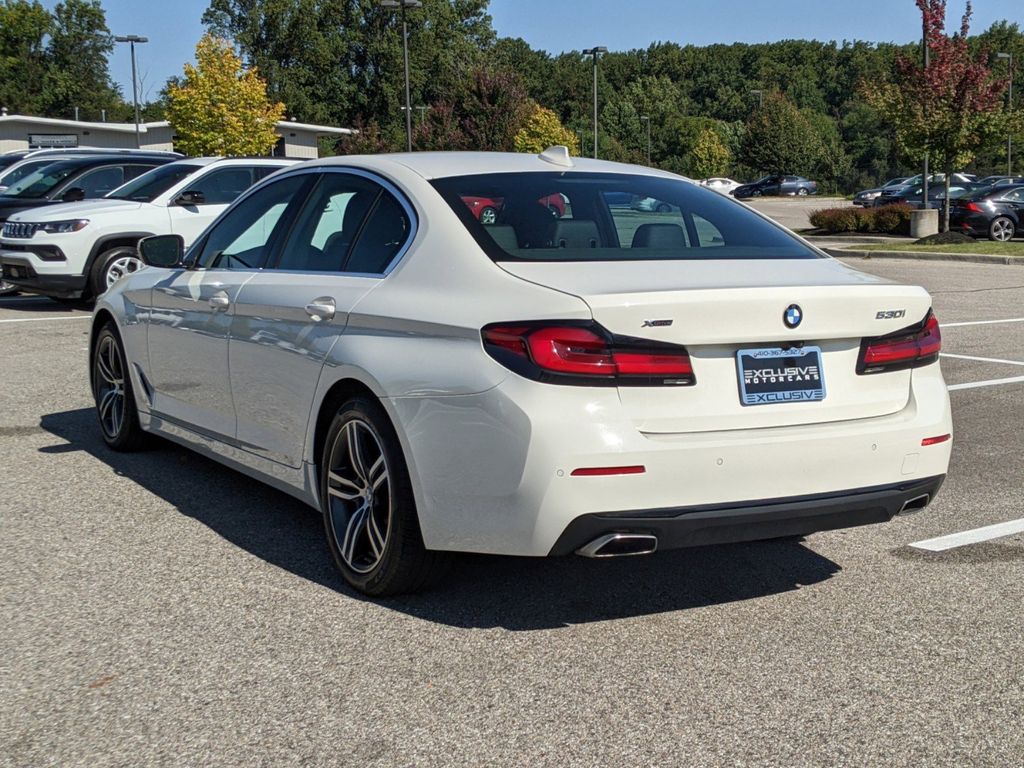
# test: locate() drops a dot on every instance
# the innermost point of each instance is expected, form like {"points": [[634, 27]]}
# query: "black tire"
{"points": [[6, 289], [105, 262], [488, 215], [1001, 229], [663, 208], [360, 496], [113, 393], [803, 192]]}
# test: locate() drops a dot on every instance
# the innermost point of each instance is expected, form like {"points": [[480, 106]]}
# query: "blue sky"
{"points": [[173, 25]]}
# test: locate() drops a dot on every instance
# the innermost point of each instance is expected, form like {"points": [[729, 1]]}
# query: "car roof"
{"points": [[87, 160], [439, 165]]}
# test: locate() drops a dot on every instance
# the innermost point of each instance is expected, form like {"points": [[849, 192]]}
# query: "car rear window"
{"points": [[550, 216]]}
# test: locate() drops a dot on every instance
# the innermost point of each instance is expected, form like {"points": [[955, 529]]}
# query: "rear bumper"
{"points": [[730, 523], [20, 272]]}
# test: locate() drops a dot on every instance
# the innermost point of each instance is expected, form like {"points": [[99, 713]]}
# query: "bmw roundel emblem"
{"points": [[792, 316]]}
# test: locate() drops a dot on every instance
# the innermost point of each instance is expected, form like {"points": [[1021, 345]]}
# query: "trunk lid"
{"points": [[717, 308]]}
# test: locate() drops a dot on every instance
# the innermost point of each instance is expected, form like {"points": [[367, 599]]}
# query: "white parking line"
{"points": [[981, 359], [974, 536], [45, 319], [989, 383], [982, 322]]}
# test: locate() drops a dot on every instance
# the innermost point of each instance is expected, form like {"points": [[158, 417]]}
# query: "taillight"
{"points": [[974, 208], [585, 353], [907, 348]]}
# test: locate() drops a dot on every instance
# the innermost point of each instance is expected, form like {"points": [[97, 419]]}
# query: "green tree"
{"points": [[77, 73], [543, 129], [709, 157], [948, 110], [24, 27], [221, 109], [780, 139]]}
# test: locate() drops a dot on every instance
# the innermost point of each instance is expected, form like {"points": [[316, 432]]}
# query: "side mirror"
{"points": [[162, 250], [73, 195], [190, 197]]}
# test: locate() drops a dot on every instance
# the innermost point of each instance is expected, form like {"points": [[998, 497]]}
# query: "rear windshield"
{"points": [[154, 183], [610, 217]]}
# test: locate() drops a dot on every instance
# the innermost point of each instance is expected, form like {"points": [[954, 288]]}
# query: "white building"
{"points": [[298, 140]]}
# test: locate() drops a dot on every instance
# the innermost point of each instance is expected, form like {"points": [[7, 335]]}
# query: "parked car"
{"points": [[78, 250], [539, 387], [777, 185], [17, 164], [76, 178], [486, 209], [994, 212], [998, 181], [866, 197], [912, 195], [723, 185], [650, 205]]}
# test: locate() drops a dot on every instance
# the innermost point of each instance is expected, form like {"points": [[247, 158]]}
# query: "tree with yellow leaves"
{"points": [[543, 129], [220, 108]]}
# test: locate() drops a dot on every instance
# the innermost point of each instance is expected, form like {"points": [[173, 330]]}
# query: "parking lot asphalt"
{"points": [[159, 609], [794, 212]]}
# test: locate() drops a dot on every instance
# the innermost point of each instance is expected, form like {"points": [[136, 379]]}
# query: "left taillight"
{"points": [[585, 353], [907, 348]]}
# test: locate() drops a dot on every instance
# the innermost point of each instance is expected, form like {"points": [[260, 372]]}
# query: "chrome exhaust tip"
{"points": [[915, 504], [619, 545]]}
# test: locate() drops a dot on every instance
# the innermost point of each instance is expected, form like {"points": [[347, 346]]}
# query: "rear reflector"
{"points": [[907, 348], [637, 469], [935, 440]]}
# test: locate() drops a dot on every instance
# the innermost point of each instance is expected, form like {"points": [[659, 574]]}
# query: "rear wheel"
{"points": [[368, 507], [802, 192], [112, 265], [663, 208], [1001, 229], [488, 215], [112, 391]]}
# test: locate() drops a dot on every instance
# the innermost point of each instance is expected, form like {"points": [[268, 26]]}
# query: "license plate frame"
{"points": [[775, 375]]}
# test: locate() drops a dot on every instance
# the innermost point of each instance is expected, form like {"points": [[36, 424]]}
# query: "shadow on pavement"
{"points": [[481, 591]]}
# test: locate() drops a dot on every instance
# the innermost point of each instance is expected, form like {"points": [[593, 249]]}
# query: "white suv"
{"points": [[78, 250]]}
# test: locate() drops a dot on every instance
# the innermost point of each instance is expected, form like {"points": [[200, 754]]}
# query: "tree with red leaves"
{"points": [[948, 110]]}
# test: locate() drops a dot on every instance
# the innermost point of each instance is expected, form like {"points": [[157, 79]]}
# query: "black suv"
{"points": [[76, 178]]}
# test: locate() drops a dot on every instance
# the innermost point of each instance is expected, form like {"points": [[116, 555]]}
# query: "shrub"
{"points": [[893, 219], [890, 220]]}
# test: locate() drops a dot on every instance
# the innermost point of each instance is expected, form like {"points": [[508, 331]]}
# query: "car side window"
{"points": [[1014, 196], [329, 223], [243, 238], [223, 185], [100, 181], [381, 238]]}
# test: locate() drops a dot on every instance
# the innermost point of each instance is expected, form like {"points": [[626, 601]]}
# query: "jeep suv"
{"points": [[78, 250]]}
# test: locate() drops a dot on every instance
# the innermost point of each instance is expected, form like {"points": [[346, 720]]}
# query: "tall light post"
{"points": [[595, 52], [926, 53], [402, 5], [647, 119], [132, 40], [1009, 108], [760, 97]]}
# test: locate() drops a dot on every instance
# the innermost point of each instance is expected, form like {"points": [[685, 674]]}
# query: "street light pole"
{"points": [[1009, 108], [132, 40], [402, 5], [924, 178], [760, 97], [595, 51], [647, 119]]}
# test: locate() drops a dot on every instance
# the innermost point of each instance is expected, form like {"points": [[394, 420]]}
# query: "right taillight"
{"points": [[585, 353], [974, 208], [907, 348]]}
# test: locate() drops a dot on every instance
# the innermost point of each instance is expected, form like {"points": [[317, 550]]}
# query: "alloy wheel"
{"points": [[488, 216], [1002, 230], [110, 391], [359, 496], [120, 267]]}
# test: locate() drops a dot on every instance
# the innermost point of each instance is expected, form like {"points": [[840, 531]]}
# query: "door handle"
{"points": [[322, 308], [220, 301]]}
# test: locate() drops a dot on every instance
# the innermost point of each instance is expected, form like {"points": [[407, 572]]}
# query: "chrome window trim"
{"points": [[390, 187]]}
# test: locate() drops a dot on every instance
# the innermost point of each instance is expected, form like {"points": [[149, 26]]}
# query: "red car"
{"points": [[486, 209]]}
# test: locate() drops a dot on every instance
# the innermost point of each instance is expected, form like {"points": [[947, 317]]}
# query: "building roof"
{"points": [[319, 130]]}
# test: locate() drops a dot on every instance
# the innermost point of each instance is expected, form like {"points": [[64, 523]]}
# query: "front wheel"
{"points": [[1001, 230], [112, 265], [488, 215], [802, 192], [7, 289], [368, 507], [112, 391], [663, 208]]}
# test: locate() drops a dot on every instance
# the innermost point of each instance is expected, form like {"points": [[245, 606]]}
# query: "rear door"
{"points": [[289, 316]]}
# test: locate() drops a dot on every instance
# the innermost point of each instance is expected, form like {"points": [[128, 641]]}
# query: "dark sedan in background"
{"points": [[994, 212], [868, 196], [777, 185], [912, 195]]}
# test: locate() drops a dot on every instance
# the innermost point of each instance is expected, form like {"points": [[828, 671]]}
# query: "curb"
{"points": [[973, 258]]}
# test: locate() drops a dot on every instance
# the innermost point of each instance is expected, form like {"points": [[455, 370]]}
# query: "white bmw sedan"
{"points": [[594, 379]]}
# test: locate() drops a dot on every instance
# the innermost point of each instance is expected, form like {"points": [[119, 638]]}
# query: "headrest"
{"points": [[576, 233], [659, 236]]}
